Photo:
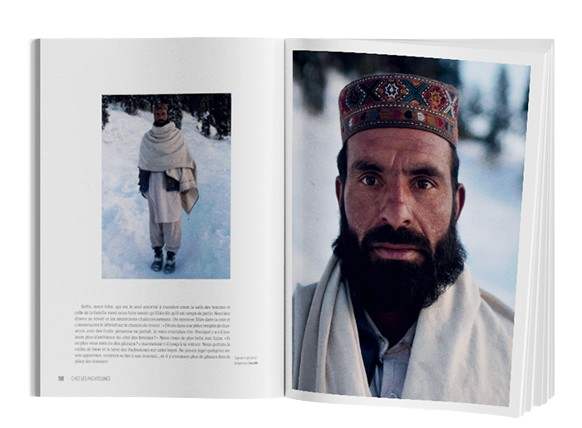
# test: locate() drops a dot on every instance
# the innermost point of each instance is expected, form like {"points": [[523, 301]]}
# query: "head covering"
{"points": [[399, 101], [161, 106]]}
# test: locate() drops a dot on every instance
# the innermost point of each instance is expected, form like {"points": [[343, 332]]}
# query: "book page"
{"points": [[207, 320], [498, 147]]}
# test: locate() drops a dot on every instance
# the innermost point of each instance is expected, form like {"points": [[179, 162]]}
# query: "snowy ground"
{"points": [[488, 226], [127, 253]]}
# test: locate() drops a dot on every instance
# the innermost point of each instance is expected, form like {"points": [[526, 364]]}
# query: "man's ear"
{"points": [[339, 186], [459, 199]]}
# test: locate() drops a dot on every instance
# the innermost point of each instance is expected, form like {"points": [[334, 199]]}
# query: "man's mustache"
{"points": [[401, 236]]}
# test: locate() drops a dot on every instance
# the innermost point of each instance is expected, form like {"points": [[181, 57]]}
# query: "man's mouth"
{"points": [[388, 251]]}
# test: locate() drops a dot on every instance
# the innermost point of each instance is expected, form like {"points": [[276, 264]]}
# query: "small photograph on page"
{"points": [[407, 178], [166, 186]]}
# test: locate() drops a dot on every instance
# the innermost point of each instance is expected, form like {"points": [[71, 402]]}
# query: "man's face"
{"points": [[399, 212], [160, 116], [400, 177]]}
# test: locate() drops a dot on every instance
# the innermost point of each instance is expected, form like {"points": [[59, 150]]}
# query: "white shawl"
{"points": [[461, 350], [163, 149]]}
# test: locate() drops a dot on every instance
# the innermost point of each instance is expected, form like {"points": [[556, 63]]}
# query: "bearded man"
{"points": [[396, 313], [167, 179]]}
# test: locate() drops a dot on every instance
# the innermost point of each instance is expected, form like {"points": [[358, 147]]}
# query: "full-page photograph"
{"points": [[406, 179]]}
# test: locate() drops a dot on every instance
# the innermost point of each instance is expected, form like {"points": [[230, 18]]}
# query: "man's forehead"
{"points": [[412, 143]]}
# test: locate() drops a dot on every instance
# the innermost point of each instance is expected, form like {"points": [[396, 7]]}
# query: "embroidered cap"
{"points": [[399, 101]]}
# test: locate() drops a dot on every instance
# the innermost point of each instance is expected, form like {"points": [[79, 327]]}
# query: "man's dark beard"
{"points": [[394, 284], [160, 123]]}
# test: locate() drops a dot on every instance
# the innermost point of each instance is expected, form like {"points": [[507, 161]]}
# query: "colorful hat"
{"points": [[399, 101]]}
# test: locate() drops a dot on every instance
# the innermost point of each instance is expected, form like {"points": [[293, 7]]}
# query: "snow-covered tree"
{"points": [[524, 109], [130, 104], [175, 104], [104, 112], [501, 114], [220, 114]]}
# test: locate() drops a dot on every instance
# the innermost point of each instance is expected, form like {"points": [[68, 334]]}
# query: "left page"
{"points": [[173, 287]]}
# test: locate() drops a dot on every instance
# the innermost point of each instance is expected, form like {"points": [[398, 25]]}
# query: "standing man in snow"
{"points": [[396, 313], [167, 179]]}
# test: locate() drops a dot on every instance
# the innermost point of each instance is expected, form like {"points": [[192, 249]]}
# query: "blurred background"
{"points": [[492, 124], [213, 111]]}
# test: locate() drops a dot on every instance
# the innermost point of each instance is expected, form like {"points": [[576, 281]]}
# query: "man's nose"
{"points": [[395, 207]]}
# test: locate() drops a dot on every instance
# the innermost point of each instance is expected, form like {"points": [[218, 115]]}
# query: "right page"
{"points": [[414, 181]]}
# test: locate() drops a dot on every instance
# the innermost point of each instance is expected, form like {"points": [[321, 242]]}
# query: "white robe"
{"points": [[164, 206], [461, 350]]}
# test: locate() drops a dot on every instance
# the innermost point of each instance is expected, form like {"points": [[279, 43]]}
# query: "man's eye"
{"points": [[424, 184], [370, 180]]}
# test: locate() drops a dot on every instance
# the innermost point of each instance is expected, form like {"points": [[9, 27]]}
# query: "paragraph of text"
{"points": [[106, 332]]}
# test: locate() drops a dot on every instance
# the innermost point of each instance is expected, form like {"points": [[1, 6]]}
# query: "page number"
{"points": [[61, 378]]}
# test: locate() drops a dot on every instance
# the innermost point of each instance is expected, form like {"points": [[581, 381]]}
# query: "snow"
{"points": [[205, 251], [489, 223]]}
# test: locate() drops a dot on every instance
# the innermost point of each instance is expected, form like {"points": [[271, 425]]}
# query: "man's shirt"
{"points": [[390, 373]]}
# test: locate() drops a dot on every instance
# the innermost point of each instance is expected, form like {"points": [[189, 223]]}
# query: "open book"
{"points": [[260, 119]]}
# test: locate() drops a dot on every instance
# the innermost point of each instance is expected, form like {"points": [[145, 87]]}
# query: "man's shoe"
{"points": [[157, 263], [170, 266]]}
